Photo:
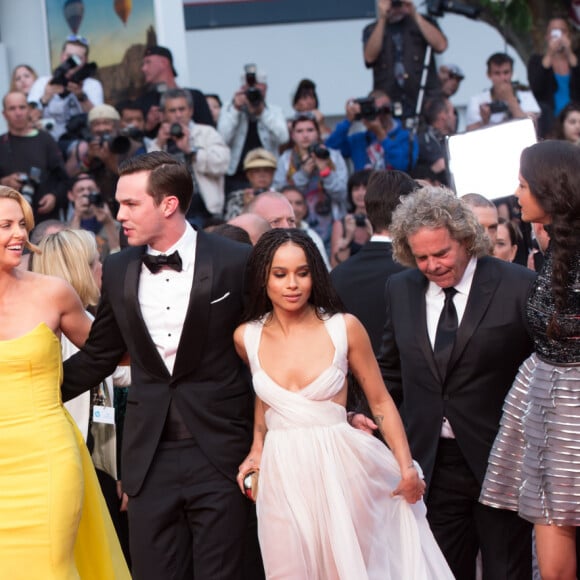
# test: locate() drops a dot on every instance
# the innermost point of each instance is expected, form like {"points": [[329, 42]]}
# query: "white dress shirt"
{"points": [[164, 297], [435, 298]]}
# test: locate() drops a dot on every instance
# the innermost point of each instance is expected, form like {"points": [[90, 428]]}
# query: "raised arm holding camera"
{"points": [[249, 122], [385, 143], [70, 90]]}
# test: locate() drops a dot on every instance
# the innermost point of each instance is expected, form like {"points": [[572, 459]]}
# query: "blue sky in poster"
{"points": [[109, 38]]}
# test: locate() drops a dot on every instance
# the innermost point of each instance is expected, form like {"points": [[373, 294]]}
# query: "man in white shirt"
{"points": [[503, 101], [172, 301], [60, 98]]}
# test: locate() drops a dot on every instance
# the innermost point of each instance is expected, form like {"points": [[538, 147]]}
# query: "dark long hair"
{"points": [[323, 295], [552, 170]]}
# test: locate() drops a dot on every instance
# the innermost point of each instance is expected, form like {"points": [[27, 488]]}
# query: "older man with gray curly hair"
{"points": [[454, 338]]}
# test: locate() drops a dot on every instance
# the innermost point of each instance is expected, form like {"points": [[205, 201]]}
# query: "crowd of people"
{"points": [[232, 290]]}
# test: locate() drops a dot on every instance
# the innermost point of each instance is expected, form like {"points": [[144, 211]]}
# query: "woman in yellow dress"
{"points": [[53, 521]]}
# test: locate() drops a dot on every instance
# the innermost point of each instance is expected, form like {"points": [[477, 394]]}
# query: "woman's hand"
{"points": [[249, 464], [411, 487]]}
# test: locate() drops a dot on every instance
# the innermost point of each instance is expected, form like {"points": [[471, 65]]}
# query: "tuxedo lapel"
{"points": [[419, 319], [481, 293], [196, 321], [147, 350]]}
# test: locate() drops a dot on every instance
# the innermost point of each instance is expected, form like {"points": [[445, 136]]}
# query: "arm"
{"points": [[432, 35], [364, 367], [374, 43], [213, 155], [274, 121], [74, 321], [228, 123]]}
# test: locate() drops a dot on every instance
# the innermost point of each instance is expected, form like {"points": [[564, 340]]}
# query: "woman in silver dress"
{"points": [[534, 465]]}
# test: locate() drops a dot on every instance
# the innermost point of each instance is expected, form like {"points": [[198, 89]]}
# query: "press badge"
{"points": [[104, 414]]}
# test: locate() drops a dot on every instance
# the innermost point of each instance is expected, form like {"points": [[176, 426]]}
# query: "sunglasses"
{"points": [[80, 39]]}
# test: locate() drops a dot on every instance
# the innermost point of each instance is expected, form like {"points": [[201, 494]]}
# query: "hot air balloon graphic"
{"points": [[123, 9], [73, 12]]}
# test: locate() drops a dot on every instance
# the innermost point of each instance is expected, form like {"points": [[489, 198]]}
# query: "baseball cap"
{"points": [[455, 71], [259, 158], [103, 112], [161, 51]]}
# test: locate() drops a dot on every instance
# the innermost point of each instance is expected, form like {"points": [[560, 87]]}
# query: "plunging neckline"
{"points": [[323, 373]]}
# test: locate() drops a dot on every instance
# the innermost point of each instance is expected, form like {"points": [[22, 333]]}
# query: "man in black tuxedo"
{"points": [[360, 280], [172, 301], [455, 335]]}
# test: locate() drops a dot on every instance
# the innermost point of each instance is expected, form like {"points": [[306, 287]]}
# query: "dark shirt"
{"points": [[40, 150]]}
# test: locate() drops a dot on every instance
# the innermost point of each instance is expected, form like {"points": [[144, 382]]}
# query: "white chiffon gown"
{"points": [[324, 505]]}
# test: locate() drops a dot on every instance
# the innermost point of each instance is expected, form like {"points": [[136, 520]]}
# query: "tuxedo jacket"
{"points": [[492, 341], [360, 283], [209, 385]]}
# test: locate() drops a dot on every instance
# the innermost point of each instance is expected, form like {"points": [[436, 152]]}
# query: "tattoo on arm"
{"points": [[378, 419]]}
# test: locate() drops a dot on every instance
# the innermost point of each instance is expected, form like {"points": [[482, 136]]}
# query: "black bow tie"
{"points": [[155, 263]]}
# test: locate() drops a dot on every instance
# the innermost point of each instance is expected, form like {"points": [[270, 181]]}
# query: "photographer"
{"points": [[69, 91], [99, 149], [318, 172], [30, 161], [259, 166], [384, 144], [503, 101], [88, 211], [248, 122], [394, 47], [201, 147]]}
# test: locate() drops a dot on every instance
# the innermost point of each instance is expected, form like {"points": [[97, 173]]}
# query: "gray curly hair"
{"points": [[433, 208]]}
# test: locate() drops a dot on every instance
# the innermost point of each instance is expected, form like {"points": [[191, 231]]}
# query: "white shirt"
{"points": [[528, 104], [434, 299], [164, 297], [381, 238]]}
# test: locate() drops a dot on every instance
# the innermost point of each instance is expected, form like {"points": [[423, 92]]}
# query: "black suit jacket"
{"points": [[360, 283], [209, 384], [492, 341]]}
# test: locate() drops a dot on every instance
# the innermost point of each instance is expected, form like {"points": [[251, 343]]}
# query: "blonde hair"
{"points": [[70, 254], [9, 193]]}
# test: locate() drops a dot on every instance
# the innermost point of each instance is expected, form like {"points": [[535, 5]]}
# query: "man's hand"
{"points": [[352, 109], [485, 113], [376, 126], [47, 203], [240, 101], [103, 214], [383, 8], [75, 88], [49, 92], [362, 422], [11, 181]]}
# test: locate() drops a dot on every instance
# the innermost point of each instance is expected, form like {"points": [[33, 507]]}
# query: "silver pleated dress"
{"points": [[534, 465]]}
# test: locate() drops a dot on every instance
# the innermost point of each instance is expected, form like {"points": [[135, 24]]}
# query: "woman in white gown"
{"points": [[333, 502]]}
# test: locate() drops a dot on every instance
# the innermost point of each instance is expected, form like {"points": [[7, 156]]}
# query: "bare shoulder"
{"points": [[352, 323], [50, 286], [239, 340]]}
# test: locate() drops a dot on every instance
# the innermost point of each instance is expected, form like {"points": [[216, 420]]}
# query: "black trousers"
{"points": [[462, 526], [188, 520]]}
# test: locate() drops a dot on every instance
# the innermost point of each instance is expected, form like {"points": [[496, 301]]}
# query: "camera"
{"points": [[46, 124], [253, 93], [132, 133], [176, 131], [30, 181], [368, 109], [319, 150], [118, 144], [360, 220], [96, 198], [59, 76], [439, 7], [396, 3], [498, 107]]}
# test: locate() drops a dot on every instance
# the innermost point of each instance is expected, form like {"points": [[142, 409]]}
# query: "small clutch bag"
{"points": [[251, 485]]}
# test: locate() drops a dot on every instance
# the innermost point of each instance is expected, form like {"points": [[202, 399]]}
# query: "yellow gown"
{"points": [[54, 522]]}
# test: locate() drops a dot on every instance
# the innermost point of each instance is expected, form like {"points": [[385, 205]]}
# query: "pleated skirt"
{"points": [[534, 465]]}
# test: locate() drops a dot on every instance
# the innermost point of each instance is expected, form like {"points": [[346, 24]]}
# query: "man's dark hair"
{"points": [[231, 232], [384, 191], [433, 108], [128, 105], [498, 59], [323, 296], [167, 177]]}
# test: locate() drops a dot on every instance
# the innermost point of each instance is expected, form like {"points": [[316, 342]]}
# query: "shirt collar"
{"points": [[463, 286], [381, 238], [185, 246]]}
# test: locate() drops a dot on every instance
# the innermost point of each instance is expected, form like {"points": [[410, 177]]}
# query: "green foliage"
{"points": [[516, 13]]}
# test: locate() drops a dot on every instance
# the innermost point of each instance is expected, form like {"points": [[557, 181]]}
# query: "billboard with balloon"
{"points": [[115, 29]]}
